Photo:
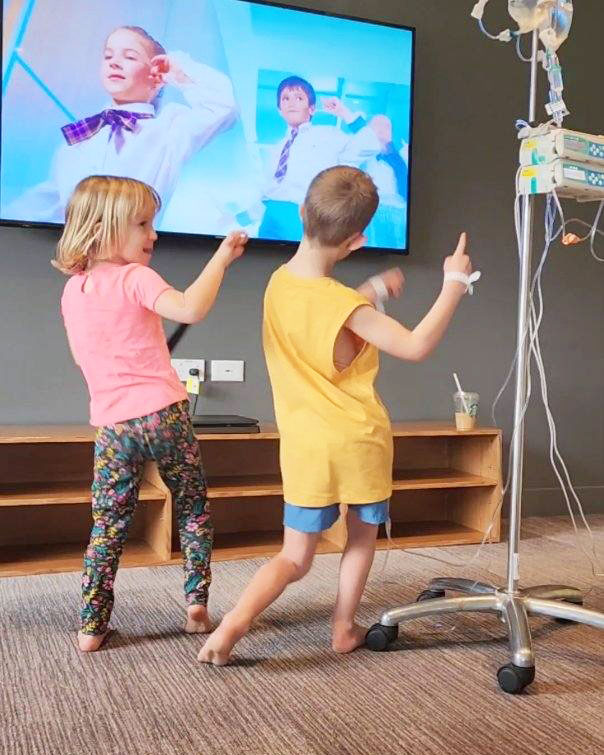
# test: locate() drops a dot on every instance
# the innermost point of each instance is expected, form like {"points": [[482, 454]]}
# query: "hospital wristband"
{"points": [[381, 291], [467, 280]]}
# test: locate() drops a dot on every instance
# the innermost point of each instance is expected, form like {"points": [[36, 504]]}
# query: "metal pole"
{"points": [[522, 364]]}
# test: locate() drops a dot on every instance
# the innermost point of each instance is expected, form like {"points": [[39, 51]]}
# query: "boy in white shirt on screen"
{"points": [[131, 137], [305, 151]]}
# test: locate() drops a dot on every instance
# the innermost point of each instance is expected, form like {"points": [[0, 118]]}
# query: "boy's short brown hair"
{"points": [[340, 202]]}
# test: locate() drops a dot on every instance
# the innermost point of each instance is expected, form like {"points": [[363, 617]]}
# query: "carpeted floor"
{"points": [[434, 693]]}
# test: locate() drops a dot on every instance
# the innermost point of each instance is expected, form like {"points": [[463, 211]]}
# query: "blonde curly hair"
{"points": [[97, 220]]}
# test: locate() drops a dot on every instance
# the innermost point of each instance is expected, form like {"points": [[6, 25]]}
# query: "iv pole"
{"points": [[512, 603]]}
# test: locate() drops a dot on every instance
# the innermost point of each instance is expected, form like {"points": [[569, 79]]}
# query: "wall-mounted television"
{"points": [[227, 108]]}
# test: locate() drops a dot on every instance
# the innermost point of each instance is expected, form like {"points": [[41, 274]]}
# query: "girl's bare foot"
{"points": [[218, 646], [88, 643], [347, 637], [198, 620]]}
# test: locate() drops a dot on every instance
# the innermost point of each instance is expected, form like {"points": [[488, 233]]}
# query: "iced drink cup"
{"points": [[466, 410]]}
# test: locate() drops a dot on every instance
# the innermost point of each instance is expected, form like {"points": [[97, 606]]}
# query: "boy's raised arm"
{"points": [[208, 92], [414, 345]]}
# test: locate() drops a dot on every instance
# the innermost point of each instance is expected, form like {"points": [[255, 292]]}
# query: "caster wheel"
{"points": [[513, 679], [430, 595], [568, 621], [380, 636]]}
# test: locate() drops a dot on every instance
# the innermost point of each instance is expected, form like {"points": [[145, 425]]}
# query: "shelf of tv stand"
{"points": [[409, 479], [61, 493], [53, 558], [446, 490], [233, 546], [428, 534], [245, 486], [425, 479]]}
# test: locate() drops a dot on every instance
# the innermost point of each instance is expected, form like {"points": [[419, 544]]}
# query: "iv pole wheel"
{"points": [[380, 636], [429, 595], [513, 679]]}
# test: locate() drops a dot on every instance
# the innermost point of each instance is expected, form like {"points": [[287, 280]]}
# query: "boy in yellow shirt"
{"points": [[321, 342]]}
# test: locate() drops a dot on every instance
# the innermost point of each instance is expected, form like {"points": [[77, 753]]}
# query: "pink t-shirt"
{"points": [[119, 343]]}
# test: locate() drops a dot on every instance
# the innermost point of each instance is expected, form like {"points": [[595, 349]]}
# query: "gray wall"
{"points": [[469, 91]]}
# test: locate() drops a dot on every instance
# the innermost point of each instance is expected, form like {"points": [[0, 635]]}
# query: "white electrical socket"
{"points": [[225, 370], [182, 367]]}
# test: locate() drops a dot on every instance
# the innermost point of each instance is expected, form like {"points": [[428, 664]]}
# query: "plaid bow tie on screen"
{"points": [[282, 167], [118, 120]]}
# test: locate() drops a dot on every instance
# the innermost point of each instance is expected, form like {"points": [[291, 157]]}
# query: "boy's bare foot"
{"points": [[88, 643], [218, 646], [346, 638], [198, 621]]}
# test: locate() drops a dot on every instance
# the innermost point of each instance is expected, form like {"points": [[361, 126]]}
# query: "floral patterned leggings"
{"points": [[119, 459]]}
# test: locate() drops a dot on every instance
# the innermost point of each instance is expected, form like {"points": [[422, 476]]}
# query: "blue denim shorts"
{"points": [[305, 519]]}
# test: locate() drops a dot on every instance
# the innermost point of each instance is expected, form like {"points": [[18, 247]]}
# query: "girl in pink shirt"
{"points": [[112, 307]]}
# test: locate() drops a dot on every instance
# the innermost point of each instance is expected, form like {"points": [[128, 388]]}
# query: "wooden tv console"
{"points": [[447, 486]]}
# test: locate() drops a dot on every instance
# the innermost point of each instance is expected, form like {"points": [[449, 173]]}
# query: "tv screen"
{"points": [[227, 108]]}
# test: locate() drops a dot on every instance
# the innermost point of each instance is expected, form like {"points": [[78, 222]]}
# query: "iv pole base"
{"points": [[553, 601]]}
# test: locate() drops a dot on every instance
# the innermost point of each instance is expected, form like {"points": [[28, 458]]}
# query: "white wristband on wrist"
{"points": [[467, 280], [380, 291]]}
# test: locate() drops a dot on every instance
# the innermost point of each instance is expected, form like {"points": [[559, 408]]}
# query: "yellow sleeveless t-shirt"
{"points": [[335, 434]]}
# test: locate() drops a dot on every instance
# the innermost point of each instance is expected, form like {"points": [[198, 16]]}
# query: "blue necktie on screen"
{"points": [[282, 167]]}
